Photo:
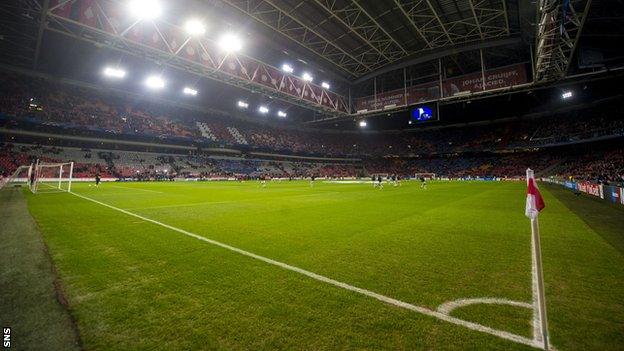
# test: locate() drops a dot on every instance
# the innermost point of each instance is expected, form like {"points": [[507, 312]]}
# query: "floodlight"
{"points": [[307, 77], [287, 68], [242, 104], [230, 42], [155, 82], [566, 95], [190, 91], [325, 85], [281, 114], [195, 27], [114, 72], [263, 109], [145, 9], [363, 124]]}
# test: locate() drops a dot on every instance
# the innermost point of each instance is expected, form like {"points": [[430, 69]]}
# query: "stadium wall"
{"points": [[610, 193]]}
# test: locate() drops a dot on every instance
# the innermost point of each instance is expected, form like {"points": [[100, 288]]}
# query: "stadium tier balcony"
{"points": [[39, 104]]}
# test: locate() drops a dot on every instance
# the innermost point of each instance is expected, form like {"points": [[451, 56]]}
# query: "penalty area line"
{"points": [[389, 300]]}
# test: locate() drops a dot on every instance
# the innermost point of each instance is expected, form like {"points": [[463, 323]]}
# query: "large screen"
{"points": [[423, 113]]}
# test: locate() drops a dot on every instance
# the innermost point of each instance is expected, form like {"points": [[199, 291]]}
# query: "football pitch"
{"points": [[234, 266]]}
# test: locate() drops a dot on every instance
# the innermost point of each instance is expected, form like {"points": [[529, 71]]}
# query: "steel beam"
{"points": [[488, 20], [434, 55], [437, 17], [275, 17], [42, 24], [18, 31], [382, 48], [381, 28], [409, 10], [169, 45], [477, 22], [557, 36]]}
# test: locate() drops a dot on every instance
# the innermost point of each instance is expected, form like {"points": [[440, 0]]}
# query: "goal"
{"points": [[19, 177], [52, 177]]}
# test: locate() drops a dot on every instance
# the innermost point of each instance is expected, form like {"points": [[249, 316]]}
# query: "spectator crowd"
{"points": [[454, 151]]}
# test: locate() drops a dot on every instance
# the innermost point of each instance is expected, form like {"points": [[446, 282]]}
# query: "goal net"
{"points": [[20, 177], [52, 177]]}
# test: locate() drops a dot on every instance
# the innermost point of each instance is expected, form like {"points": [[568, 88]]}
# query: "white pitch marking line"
{"points": [[423, 310], [448, 307]]}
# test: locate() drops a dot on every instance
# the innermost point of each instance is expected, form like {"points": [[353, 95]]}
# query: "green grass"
{"points": [[136, 285]]}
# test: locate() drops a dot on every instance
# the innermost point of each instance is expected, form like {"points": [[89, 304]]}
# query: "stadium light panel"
{"points": [[242, 104], [114, 72], [190, 91], [325, 85], [155, 82], [287, 68], [145, 9], [307, 77], [230, 43], [195, 27], [363, 124], [566, 95], [281, 114], [263, 109]]}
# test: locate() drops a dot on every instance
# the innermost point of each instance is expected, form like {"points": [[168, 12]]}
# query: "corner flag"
{"points": [[534, 204], [534, 200]]}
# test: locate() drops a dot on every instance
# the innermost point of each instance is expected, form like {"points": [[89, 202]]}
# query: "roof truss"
{"points": [[271, 14], [559, 28], [485, 20], [365, 42]]}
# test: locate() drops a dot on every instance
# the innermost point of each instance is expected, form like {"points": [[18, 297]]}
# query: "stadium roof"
{"points": [[359, 37], [346, 37], [359, 46]]}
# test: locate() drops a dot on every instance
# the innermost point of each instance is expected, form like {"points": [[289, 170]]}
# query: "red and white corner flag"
{"points": [[534, 200]]}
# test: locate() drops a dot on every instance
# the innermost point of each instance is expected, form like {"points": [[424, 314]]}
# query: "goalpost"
{"points": [[52, 177]]}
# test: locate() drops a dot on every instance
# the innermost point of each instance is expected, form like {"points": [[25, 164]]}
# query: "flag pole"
{"points": [[541, 299]]}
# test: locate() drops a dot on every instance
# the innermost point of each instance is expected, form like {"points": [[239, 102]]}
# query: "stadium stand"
{"points": [[603, 166], [36, 102], [471, 150]]}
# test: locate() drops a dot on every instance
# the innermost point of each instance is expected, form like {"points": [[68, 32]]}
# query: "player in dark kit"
{"points": [[97, 179], [423, 183], [32, 179]]}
